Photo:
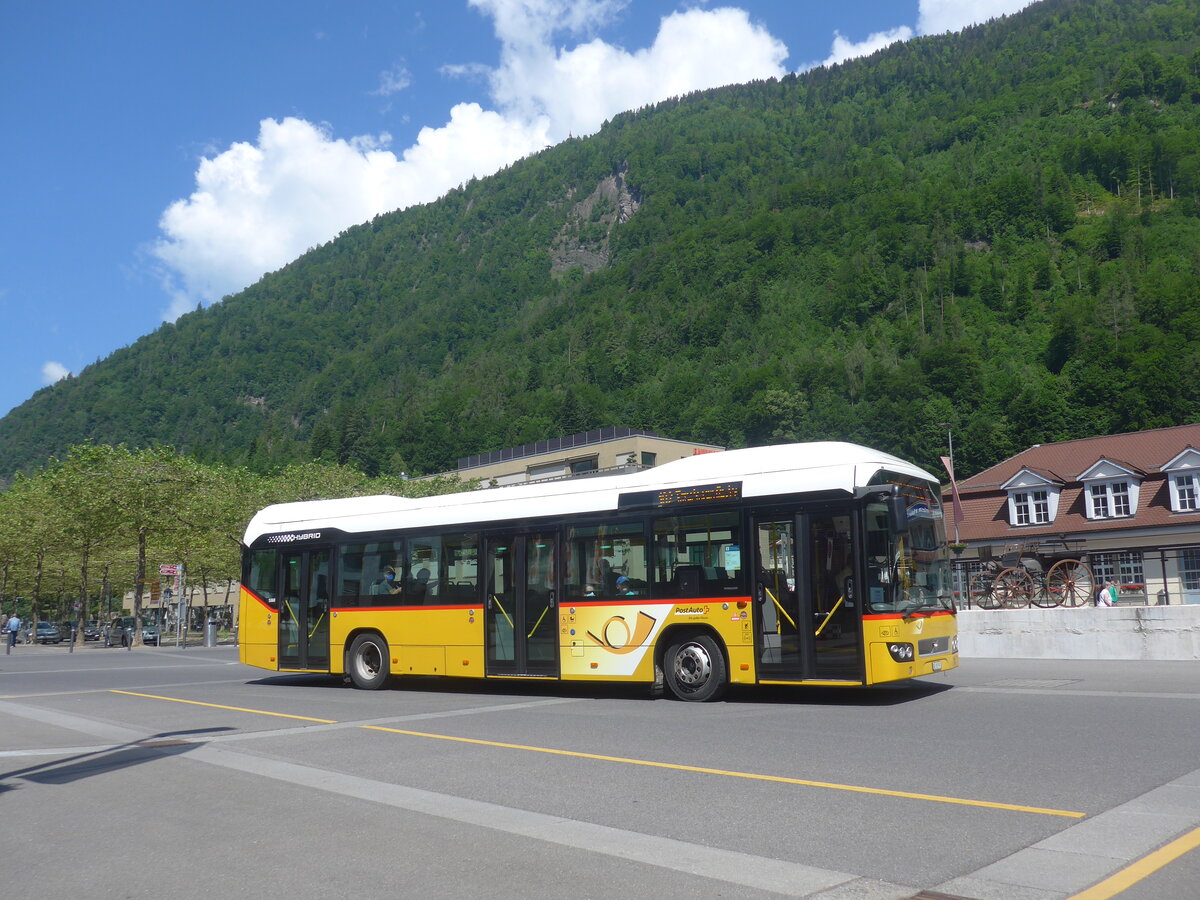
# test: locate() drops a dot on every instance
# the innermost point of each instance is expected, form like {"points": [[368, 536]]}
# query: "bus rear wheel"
{"points": [[694, 668], [367, 662]]}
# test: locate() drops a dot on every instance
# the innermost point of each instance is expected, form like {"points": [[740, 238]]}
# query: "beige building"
{"points": [[599, 452]]}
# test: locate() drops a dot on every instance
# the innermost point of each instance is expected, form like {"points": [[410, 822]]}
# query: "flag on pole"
{"points": [[958, 510]]}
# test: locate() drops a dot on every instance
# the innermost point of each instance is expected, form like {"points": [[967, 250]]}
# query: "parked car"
{"points": [[45, 633], [67, 630], [91, 631], [121, 632]]}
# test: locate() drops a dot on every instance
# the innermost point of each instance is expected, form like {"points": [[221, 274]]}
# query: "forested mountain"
{"points": [[999, 229]]}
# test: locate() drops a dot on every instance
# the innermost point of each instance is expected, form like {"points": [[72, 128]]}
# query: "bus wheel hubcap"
{"points": [[368, 661], [692, 665]]}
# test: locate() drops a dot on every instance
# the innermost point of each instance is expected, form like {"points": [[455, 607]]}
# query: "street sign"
{"points": [[168, 569]]}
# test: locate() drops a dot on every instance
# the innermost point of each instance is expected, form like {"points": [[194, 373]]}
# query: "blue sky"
{"points": [[157, 156]]}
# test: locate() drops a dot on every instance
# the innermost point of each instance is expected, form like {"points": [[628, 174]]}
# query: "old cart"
{"points": [[1045, 573]]}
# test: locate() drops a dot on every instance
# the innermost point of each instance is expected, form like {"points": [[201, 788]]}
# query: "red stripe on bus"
{"points": [[267, 606], [339, 609], [632, 601]]}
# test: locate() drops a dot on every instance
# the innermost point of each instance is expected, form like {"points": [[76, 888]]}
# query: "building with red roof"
{"points": [[1128, 505]]}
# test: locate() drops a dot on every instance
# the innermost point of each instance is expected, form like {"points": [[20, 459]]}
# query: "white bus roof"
{"points": [[762, 472]]}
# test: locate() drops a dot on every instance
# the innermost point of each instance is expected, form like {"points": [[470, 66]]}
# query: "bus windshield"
{"points": [[908, 572]]}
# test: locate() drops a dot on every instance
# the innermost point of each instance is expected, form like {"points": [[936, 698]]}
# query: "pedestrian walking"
{"points": [[1108, 594], [13, 627]]}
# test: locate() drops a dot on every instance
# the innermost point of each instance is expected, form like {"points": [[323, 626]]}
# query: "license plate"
{"points": [[937, 665]]}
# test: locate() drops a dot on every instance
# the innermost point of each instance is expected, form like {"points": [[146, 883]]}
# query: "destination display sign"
{"points": [[695, 495]]}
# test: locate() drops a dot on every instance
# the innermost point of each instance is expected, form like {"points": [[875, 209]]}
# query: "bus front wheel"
{"points": [[367, 662], [694, 668]]}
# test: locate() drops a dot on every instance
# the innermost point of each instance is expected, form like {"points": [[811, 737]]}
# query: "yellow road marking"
{"points": [[261, 712], [752, 776], [1143, 868], [748, 775]]}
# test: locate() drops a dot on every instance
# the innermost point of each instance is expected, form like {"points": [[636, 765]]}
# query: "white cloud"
{"points": [[933, 17], [393, 81], [535, 22], [53, 372], [578, 89], [843, 49], [938, 16], [256, 206]]}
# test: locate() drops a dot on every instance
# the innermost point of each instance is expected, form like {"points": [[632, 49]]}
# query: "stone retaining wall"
{"points": [[1119, 632]]}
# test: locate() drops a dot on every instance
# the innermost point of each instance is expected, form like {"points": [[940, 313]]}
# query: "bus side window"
{"points": [[361, 574], [697, 556], [263, 577], [460, 575], [606, 561]]}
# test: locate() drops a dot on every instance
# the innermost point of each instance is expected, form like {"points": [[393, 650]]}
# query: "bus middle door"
{"points": [[521, 621]]}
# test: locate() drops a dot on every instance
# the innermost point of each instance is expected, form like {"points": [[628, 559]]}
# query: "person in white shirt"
{"points": [[12, 627]]}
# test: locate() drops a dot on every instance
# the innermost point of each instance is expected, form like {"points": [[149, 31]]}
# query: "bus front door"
{"points": [[806, 611], [304, 610], [521, 619]]}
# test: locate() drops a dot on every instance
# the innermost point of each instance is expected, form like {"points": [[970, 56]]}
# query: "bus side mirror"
{"points": [[897, 515]]}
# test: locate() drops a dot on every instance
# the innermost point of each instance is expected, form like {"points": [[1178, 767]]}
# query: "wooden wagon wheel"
{"points": [[982, 590], [1042, 595], [1014, 588], [1071, 581]]}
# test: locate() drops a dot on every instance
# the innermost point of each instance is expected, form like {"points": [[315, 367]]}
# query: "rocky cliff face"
{"points": [[583, 241]]}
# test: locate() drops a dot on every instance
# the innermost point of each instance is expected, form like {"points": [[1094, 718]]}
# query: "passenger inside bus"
{"points": [[389, 584], [419, 586]]}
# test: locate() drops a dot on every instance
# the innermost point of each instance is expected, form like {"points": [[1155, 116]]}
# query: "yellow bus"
{"points": [[820, 563]]}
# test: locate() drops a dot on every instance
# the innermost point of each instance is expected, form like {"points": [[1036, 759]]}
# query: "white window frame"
{"points": [[1126, 566], [1121, 496], [1185, 493], [1189, 568], [1105, 499], [1031, 505]]}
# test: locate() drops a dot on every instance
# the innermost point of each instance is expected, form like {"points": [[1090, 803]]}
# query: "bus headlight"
{"points": [[901, 652], [954, 644]]}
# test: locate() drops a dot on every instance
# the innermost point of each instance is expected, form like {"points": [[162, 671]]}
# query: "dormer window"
{"points": [[1032, 497], [1183, 475], [1031, 507], [1112, 489], [1110, 500]]}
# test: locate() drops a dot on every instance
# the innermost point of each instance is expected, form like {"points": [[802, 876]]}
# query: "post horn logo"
{"points": [[617, 637]]}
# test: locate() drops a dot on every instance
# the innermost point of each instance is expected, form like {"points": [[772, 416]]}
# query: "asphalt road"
{"points": [[180, 773]]}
